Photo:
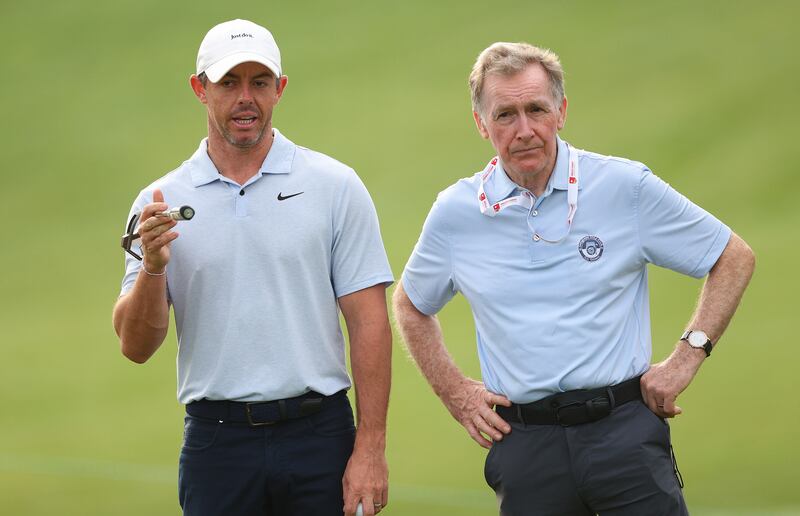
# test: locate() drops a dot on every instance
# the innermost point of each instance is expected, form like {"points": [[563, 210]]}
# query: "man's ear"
{"points": [[479, 123], [562, 114], [198, 88], [282, 82]]}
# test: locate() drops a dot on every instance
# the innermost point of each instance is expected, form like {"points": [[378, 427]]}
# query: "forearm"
{"points": [[718, 301], [466, 399], [723, 289], [424, 341], [370, 336], [366, 478], [371, 362], [141, 317]]}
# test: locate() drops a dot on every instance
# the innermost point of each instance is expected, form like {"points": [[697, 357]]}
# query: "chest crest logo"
{"points": [[591, 248]]}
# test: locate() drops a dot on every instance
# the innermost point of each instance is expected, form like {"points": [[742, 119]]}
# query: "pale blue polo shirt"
{"points": [[573, 315], [254, 280]]}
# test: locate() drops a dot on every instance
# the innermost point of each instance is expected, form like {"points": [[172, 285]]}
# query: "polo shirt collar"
{"points": [[280, 156], [278, 161], [560, 177], [503, 186]]}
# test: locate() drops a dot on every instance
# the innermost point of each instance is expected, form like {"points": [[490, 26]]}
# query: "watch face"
{"points": [[697, 339]]}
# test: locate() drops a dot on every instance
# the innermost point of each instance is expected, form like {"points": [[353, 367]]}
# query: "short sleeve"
{"points": [[428, 276], [676, 233], [358, 258]]}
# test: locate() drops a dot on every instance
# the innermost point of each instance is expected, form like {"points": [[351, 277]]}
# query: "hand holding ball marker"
{"points": [[131, 237]]}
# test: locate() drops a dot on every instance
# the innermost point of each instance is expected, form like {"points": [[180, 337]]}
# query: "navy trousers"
{"points": [[292, 467], [621, 465]]}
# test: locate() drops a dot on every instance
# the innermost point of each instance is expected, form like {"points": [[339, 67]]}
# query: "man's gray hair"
{"points": [[512, 58]]}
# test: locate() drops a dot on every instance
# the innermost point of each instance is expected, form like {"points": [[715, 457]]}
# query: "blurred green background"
{"points": [[95, 104]]}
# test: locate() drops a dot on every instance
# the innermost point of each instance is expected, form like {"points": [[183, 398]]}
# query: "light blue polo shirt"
{"points": [[573, 315], [254, 280]]}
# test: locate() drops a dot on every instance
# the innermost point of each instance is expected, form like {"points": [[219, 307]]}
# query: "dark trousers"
{"points": [[619, 465], [292, 467]]}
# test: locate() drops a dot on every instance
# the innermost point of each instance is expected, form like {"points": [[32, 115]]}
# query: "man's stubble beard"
{"points": [[246, 144]]}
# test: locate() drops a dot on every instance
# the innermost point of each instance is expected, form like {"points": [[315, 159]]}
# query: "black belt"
{"points": [[573, 407], [260, 413]]}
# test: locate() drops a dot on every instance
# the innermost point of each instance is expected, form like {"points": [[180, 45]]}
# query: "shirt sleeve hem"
{"points": [[714, 252], [126, 288], [416, 298], [386, 279]]}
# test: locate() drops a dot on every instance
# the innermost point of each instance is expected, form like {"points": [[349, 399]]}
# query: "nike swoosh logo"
{"points": [[283, 198]]}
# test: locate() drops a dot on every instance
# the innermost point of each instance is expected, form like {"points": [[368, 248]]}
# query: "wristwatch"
{"points": [[698, 339]]}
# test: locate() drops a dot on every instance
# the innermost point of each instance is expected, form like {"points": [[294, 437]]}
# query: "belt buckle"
{"points": [[590, 410], [565, 422], [249, 414]]}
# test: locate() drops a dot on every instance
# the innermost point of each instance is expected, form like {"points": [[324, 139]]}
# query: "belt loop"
{"points": [[282, 409], [611, 399], [519, 415]]}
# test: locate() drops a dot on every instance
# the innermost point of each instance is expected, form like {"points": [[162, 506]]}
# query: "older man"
{"points": [[550, 245], [283, 238]]}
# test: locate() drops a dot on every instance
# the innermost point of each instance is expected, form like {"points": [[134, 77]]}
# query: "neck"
{"points": [[535, 182], [237, 163]]}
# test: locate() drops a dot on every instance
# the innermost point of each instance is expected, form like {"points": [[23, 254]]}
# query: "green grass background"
{"points": [[95, 104]]}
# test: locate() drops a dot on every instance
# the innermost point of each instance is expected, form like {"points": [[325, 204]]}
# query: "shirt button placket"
{"points": [[240, 202]]}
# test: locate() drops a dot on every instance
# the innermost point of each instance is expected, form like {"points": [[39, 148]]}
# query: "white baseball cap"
{"points": [[234, 42]]}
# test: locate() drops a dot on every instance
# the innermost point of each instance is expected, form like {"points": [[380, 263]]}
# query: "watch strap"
{"points": [[707, 346]]}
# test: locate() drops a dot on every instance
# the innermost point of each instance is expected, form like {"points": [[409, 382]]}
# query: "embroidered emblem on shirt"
{"points": [[591, 248]]}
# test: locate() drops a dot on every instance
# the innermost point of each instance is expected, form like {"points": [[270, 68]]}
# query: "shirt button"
{"points": [[534, 213], [536, 238]]}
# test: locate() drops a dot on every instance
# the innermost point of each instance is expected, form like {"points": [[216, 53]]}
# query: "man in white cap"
{"points": [[283, 237]]}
